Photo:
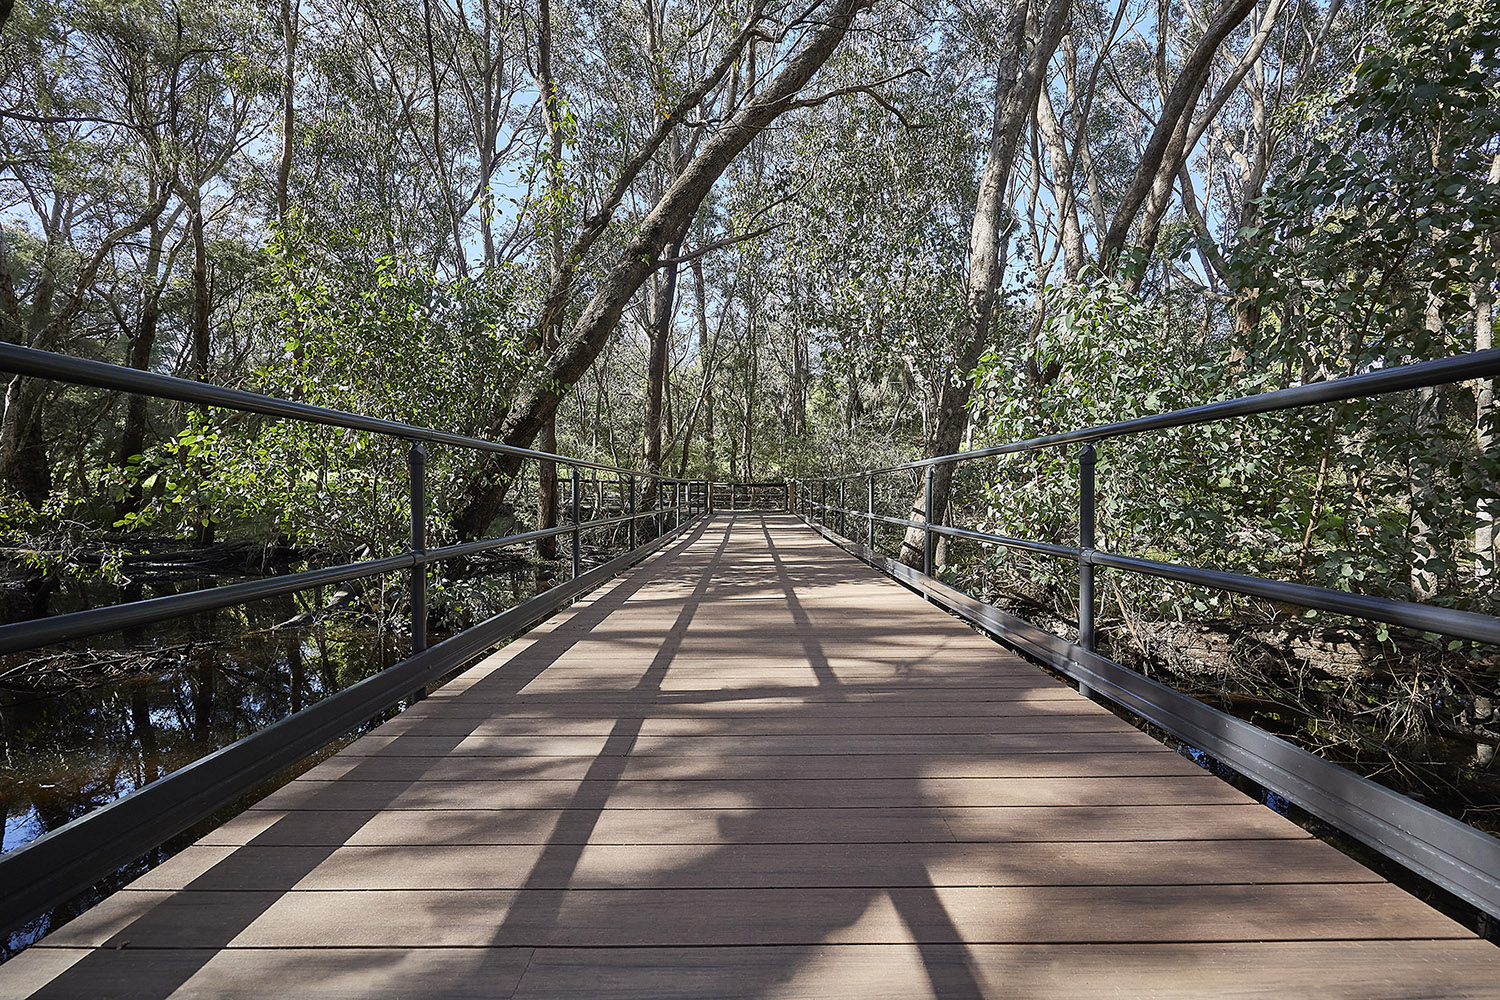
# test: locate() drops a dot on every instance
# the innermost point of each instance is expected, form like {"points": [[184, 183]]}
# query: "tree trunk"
{"points": [[201, 291], [291, 11], [551, 322], [752, 376], [1018, 80], [138, 356], [1421, 532], [1487, 439], [24, 466], [546, 494], [659, 334], [1167, 145], [639, 257]]}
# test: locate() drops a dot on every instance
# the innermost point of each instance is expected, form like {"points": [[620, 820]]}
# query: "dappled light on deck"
{"points": [[755, 768]]}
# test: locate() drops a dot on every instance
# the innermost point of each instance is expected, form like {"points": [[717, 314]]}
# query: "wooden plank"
{"points": [[991, 825], [731, 793], [306, 973], [1135, 763], [762, 725], [736, 865], [1344, 970], [802, 916], [811, 917], [728, 746], [732, 711]]}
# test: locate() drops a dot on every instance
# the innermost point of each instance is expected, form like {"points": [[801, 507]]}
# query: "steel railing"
{"points": [[1444, 850], [63, 862]]}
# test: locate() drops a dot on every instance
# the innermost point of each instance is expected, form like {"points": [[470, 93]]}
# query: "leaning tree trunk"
{"points": [[640, 256], [1168, 143], [1018, 80]]}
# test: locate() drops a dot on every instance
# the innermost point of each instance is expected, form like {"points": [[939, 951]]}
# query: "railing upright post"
{"points": [[870, 513], [927, 521], [676, 505], [1086, 462], [630, 524], [577, 564], [843, 506], [416, 464]]}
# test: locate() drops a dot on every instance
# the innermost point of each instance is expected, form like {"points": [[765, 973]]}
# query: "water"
{"points": [[84, 723], [66, 752]]}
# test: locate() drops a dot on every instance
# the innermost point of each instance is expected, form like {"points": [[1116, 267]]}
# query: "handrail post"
{"points": [[927, 522], [843, 506], [416, 464], [870, 512], [630, 524], [576, 560], [1087, 459], [676, 505]]}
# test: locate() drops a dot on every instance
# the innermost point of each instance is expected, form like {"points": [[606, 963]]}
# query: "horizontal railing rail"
{"points": [[1450, 853], [1422, 375], [68, 860]]}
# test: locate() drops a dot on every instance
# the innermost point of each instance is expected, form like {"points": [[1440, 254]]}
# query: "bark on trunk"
{"points": [[659, 330], [24, 466], [201, 291], [1018, 80], [1166, 146], [639, 257], [1487, 439]]}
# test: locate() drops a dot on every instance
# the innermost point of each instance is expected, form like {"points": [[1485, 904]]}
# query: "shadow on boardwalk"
{"points": [[753, 769]]}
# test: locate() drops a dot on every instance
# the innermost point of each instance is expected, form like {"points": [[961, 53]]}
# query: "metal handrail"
{"points": [[1422, 375], [66, 861], [19, 636], [1442, 849], [102, 375], [1411, 614]]}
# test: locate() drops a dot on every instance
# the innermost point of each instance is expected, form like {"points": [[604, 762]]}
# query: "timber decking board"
{"points": [[754, 768]]}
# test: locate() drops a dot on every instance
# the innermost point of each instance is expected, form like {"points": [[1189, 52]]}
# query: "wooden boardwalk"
{"points": [[755, 768]]}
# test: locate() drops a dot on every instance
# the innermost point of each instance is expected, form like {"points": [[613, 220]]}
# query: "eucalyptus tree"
{"points": [[97, 104], [1030, 36], [798, 41]]}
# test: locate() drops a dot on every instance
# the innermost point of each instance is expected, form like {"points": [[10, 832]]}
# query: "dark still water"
{"points": [[186, 691], [84, 723]]}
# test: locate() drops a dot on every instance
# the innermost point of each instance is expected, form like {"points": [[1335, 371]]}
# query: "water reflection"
{"points": [[84, 723]]}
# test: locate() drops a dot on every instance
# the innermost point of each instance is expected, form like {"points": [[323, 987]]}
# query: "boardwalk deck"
{"points": [[754, 768]]}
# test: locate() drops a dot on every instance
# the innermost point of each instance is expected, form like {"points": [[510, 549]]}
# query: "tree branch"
{"points": [[727, 241]]}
